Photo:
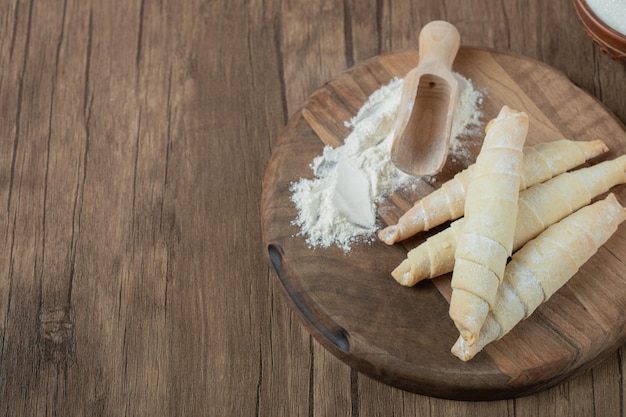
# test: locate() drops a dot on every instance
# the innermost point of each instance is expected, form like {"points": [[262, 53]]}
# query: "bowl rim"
{"points": [[599, 28]]}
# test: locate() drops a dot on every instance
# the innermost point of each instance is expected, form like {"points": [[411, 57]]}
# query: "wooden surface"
{"points": [[406, 339], [135, 136]]}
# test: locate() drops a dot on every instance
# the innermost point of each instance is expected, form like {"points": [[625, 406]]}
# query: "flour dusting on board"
{"points": [[338, 206]]}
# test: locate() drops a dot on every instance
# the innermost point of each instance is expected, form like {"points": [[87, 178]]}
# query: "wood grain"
{"points": [[135, 136]]}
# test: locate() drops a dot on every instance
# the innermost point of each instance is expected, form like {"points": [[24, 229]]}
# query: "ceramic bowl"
{"points": [[610, 41]]}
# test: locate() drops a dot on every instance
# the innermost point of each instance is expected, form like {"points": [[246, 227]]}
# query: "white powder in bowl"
{"points": [[611, 12], [338, 206]]}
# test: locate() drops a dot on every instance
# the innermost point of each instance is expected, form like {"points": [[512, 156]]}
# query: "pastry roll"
{"points": [[540, 163], [538, 207], [543, 266], [486, 240]]}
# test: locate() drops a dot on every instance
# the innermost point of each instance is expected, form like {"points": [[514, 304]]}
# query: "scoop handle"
{"points": [[439, 40]]}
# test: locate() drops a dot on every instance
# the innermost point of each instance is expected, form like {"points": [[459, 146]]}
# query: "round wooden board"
{"points": [[402, 336]]}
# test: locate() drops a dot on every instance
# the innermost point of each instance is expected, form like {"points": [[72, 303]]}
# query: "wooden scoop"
{"points": [[429, 96]]}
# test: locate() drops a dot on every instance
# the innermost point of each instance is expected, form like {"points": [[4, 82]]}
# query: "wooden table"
{"points": [[135, 137]]}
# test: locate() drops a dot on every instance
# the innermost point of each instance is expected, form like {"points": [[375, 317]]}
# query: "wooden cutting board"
{"points": [[402, 336]]}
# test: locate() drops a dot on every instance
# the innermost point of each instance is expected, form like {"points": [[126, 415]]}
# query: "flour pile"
{"points": [[338, 206]]}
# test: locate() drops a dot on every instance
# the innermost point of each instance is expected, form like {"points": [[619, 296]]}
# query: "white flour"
{"points": [[612, 12], [338, 206]]}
